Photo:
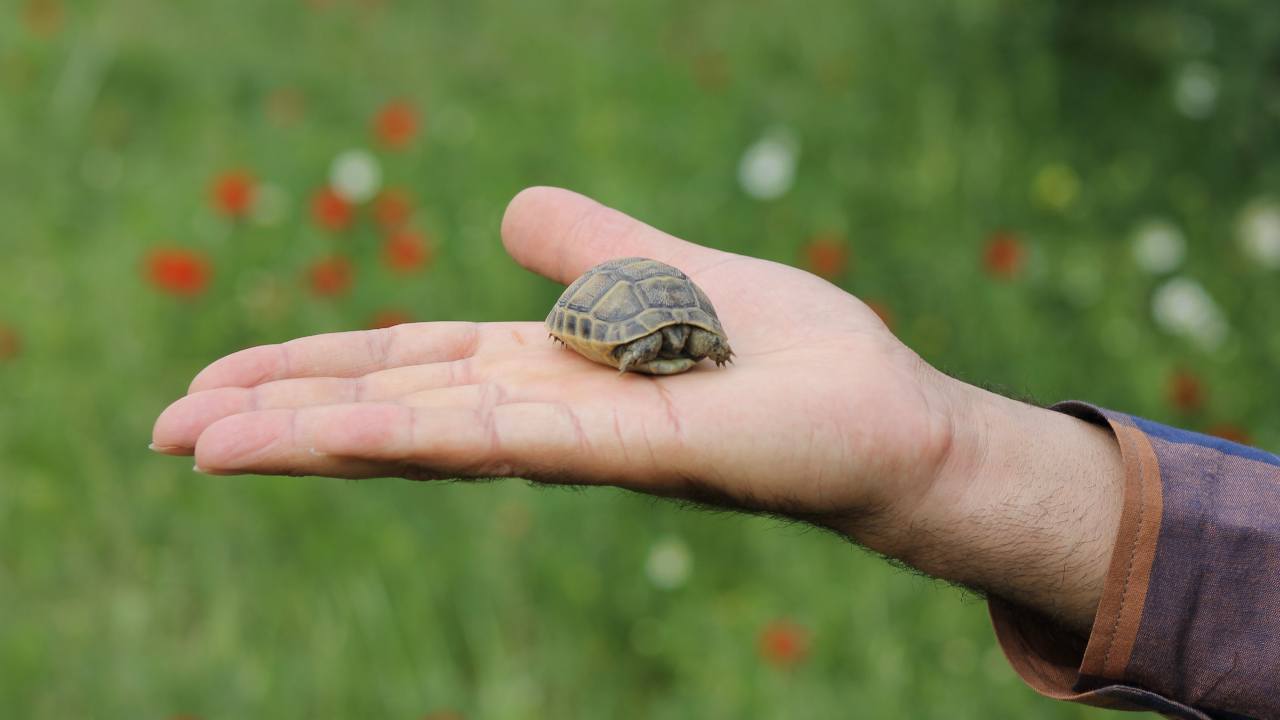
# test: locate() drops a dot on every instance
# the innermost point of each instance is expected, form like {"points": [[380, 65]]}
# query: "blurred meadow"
{"points": [[1059, 200]]}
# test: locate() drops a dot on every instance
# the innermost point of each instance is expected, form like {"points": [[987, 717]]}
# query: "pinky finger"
{"points": [[530, 439]]}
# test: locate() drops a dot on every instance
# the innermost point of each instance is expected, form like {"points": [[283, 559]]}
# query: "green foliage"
{"points": [[132, 588]]}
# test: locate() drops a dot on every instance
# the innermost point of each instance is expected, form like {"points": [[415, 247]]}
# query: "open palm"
{"points": [[824, 414]]}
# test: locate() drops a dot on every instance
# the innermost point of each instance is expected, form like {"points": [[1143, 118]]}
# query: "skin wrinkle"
{"points": [[460, 372], [469, 344], [673, 416], [648, 444], [379, 344], [950, 463], [580, 435], [286, 365], [490, 400], [617, 433], [728, 258]]}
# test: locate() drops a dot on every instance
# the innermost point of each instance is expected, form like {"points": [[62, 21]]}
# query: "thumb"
{"points": [[560, 234]]}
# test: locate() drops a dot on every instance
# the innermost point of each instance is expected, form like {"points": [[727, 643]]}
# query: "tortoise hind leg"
{"points": [[638, 352]]}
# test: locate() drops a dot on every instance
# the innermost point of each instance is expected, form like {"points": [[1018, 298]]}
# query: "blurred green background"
{"points": [[1060, 200]]}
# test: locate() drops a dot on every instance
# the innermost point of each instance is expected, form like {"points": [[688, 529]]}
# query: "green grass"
{"points": [[132, 588]]}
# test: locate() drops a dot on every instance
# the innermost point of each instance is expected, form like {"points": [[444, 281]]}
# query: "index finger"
{"points": [[357, 353]]}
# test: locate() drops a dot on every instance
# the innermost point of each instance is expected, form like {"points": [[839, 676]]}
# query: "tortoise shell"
{"points": [[623, 300]]}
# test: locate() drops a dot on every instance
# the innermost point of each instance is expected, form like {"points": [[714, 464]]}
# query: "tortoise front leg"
{"points": [[707, 344]]}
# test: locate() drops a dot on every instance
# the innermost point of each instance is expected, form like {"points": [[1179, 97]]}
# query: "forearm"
{"points": [[1026, 507]]}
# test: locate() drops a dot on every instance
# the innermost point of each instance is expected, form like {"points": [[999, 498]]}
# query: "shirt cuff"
{"points": [[1189, 620]]}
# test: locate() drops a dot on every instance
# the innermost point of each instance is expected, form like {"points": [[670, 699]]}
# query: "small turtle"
{"points": [[641, 315]]}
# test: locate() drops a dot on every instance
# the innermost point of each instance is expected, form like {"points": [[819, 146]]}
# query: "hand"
{"points": [[824, 416]]}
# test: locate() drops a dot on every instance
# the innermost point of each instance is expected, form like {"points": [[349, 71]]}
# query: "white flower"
{"points": [[1158, 246], [270, 205], [1195, 90], [669, 563], [768, 167], [1259, 230], [1181, 306], [355, 176]]}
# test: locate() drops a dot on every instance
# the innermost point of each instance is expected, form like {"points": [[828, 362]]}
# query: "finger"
{"points": [[178, 427], [528, 439], [560, 234], [437, 441], [352, 354]]}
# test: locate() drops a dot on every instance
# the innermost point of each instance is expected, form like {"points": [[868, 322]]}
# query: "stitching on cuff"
{"points": [[1127, 449]]}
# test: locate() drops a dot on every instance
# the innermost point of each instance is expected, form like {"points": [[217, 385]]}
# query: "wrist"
{"points": [[1025, 505]]}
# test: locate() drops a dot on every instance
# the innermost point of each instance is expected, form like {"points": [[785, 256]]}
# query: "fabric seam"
{"points": [[1133, 548]]}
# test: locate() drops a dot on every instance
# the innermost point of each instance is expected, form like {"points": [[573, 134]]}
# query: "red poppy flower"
{"points": [[1231, 433], [827, 255], [43, 17], [1184, 391], [392, 208], [179, 272], [784, 643], [1004, 255], [233, 193], [396, 124], [330, 211], [331, 276], [10, 343], [406, 251], [882, 311], [388, 318]]}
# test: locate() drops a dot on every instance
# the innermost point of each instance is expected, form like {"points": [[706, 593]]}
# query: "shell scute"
{"points": [[588, 291], [618, 303], [667, 292]]}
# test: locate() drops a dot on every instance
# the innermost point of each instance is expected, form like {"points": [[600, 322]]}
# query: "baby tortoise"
{"points": [[640, 315]]}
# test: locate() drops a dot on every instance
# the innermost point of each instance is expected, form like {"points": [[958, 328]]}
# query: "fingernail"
{"points": [[166, 449], [220, 473]]}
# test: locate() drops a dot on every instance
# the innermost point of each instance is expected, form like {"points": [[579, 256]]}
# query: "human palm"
{"points": [[824, 415]]}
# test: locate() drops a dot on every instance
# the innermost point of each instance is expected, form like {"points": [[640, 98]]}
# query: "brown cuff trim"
{"points": [[1050, 662], [1124, 594]]}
